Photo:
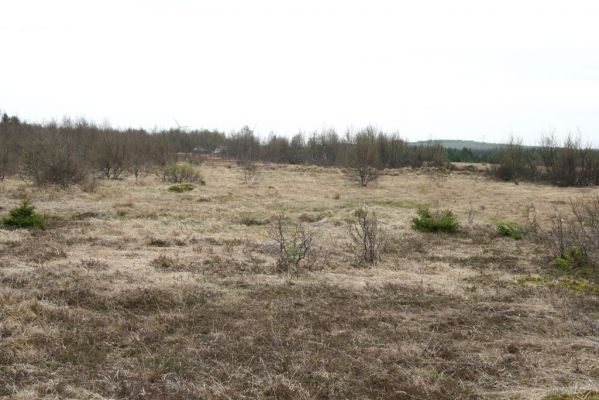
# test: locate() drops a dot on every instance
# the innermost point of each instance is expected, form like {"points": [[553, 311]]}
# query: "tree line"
{"points": [[566, 163], [67, 152], [70, 151]]}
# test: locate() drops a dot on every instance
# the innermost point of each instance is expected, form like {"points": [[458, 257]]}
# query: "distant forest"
{"points": [[64, 153]]}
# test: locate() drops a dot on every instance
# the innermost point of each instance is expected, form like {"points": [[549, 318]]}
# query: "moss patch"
{"points": [[579, 285]]}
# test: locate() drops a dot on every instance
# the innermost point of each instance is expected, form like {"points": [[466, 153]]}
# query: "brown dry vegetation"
{"points": [[137, 292]]}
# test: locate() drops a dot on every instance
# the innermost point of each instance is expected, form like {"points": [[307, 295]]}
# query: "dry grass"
{"points": [[138, 292]]}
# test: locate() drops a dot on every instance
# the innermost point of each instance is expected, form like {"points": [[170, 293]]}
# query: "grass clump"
{"points": [[24, 216], [165, 262], [426, 221], [181, 187], [311, 218], [250, 220]]}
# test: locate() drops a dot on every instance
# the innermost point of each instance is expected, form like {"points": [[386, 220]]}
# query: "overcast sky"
{"points": [[426, 69]]}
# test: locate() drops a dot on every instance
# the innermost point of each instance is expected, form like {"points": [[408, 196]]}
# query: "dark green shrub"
{"points": [[24, 216], [444, 221], [511, 229], [182, 187]]}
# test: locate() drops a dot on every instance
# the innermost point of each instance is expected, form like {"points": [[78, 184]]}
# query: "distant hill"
{"points": [[460, 144]]}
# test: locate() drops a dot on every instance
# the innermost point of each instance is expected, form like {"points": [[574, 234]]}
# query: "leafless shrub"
{"points": [[182, 172], [569, 163], [471, 213], [53, 160], [586, 223], [364, 160], [10, 133], [89, 185], [530, 218], [438, 176], [575, 236], [367, 238], [515, 162], [249, 170], [93, 264], [560, 237], [6, 164], [111, 153], [166, 262], [295, 244], [364, 175]]}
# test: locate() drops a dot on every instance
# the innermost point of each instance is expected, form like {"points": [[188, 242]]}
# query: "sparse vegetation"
{"points": [[24, 216], [187, 301], [440, 221]]}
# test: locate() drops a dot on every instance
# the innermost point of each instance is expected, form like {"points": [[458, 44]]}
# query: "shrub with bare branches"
{"points": [[295, 244], [575, 235], [250, 171], [54, 160], [9, 133], [182, 172], [364, 159], [364, 175], [367, 238]]}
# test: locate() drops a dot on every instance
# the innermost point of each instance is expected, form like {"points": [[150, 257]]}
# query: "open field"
{"points": [[134, 291]]}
